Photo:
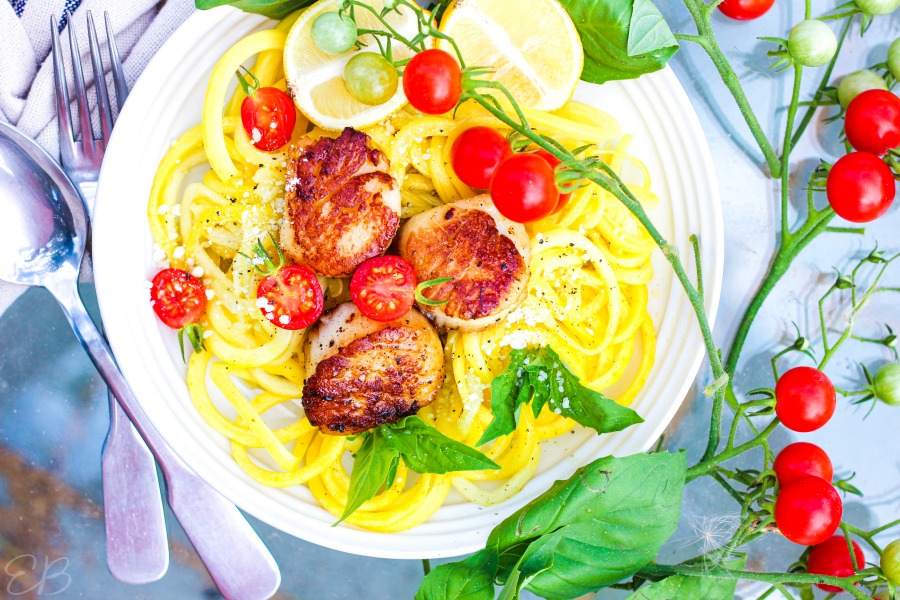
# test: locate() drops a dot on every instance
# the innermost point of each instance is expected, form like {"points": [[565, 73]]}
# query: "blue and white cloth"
{"points": [[26, 71]]}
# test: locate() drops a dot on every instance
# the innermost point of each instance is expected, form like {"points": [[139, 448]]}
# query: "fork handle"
{"points": [[137, 548], [233, 553]]}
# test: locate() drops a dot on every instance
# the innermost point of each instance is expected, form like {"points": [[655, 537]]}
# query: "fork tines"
{"points": [[86, 144]]}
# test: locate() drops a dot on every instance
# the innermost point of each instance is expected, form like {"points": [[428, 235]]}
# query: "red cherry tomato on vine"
{"points": [[523, 188], [860, 187], [291, 298], [432, 82], [554, 162], [177, 297], [804, 399], [384, 288], [801, 459], [745, 10], [808, 510], [872, 122], [832, 558], [476, 153], [269, 116]]}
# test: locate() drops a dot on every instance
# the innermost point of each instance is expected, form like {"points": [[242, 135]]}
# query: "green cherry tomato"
{"points": [[334, 33], [877, 7], [812, 43], [893, 58], [371, 78], [890, 562], [887, 389], [858, 82]]}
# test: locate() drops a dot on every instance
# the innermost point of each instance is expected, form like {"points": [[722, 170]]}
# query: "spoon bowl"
{"points": [[43, 229]]}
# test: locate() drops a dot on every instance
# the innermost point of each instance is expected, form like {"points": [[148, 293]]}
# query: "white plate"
{"points": [[167, 101]]}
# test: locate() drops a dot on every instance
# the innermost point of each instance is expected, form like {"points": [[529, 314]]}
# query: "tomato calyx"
{"points": [[262, 260], [248, 88], [422, 299], [194, 334]]}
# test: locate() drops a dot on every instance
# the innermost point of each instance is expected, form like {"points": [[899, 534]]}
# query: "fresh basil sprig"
{"points": [[541, 377], [422, 447], [596, 528], [622, 40], [274, 9]]}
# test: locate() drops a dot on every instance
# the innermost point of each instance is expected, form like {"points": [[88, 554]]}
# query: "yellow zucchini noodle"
{"points": [[587, 297]]}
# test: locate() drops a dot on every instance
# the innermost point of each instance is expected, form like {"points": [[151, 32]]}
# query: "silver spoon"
{"points": [[43, 230]]}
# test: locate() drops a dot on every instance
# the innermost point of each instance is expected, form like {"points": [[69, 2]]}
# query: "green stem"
{"points": [[848, 584], [426, 566], [704, 467], [786, 151], [706, 39]]}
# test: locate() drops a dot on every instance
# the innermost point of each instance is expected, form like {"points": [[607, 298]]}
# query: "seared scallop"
{"points": [[362, 373], [486, 254], [341, 205]]}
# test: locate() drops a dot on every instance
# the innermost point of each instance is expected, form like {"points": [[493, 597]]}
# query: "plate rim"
{"points": [[105, 274]]}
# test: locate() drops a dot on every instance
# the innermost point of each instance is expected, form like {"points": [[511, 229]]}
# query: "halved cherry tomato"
{"points": [[383, 288], [291, 298], [808, 510], [523, 188], [177, 297], [800, 459], [860, 187], [804, 399], [744, 10], [832, 558], [554, 162], [872, 122], [476, 153], [432, 82], [268, 115]]}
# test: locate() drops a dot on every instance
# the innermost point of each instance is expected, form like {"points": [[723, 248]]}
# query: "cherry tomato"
{"points": [[432, 82], [384, 288], [804, 399], [523, 188], [269, 116], [476, 153], [890, 562], [860, 187], [832, 558], [745, 10], [554, 162], [800, 459], [370, 78], [808, 510], [872, 122], [887, 384], [812, 43], [177, 297], [291, 298]]}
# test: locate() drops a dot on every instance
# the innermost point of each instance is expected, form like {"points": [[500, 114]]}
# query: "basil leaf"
{"points": [[596, 528], [274, 9], [680, 587], [469, 579], [543, 378], [506, 390], [426, 450], [392, 471], [622, 40], [371, 469]]}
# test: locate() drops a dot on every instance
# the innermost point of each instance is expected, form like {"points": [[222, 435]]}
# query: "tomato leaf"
{"points": [[622, 40], [469, 579], [371, 469], [274, 9], [541, 377], [680, 587], [426, 450], [596, 528]]}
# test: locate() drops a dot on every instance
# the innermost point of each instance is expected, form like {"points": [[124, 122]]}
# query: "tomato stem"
{"points": [[248, 88]]}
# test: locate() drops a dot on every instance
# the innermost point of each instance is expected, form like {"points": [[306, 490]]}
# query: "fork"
{"points": [[235, 556], [137, 549]]}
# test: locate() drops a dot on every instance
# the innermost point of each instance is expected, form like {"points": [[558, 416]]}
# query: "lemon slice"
{"points": [[532, 46], [315, 79]]}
